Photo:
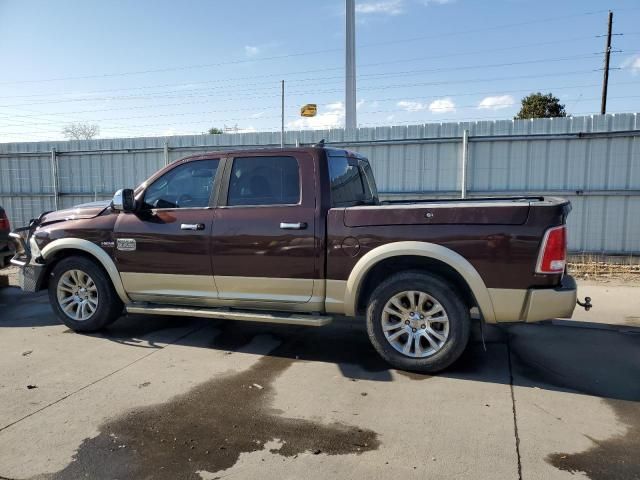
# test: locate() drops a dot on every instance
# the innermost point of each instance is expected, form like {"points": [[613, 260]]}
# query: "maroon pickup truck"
{"points": [[297, 236]]}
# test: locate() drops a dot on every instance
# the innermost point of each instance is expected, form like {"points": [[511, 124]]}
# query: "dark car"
{"points": [[5, 246], [297, 236]]}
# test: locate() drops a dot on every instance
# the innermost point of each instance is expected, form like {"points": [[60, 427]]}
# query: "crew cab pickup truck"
{"points": [[299, 236]]}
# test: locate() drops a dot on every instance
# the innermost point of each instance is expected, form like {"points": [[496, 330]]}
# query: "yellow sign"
{"points": [[309, 110]]}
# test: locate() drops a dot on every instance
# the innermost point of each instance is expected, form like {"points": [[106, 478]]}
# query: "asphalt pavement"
{"points": [[180, 398]]}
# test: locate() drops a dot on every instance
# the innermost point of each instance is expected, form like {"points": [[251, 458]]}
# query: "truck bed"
{"points": [[472, 211]]}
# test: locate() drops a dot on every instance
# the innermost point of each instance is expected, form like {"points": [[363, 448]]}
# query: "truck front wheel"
{"points": [[418, 322], [82, 295]]}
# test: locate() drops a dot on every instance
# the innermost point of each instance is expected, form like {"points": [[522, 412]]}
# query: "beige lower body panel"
{"points": [[336, 290], [299, 290], [147, 286], [532, 305], [260, 293]]}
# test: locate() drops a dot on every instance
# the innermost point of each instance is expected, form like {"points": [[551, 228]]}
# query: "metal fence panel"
{"points": [[594, 161]]}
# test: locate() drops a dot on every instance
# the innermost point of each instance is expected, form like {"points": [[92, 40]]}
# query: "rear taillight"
{"points": [[553, 253], [4, 221]]}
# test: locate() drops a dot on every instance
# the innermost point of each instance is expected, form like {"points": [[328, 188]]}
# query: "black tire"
{"points": [[109, 306], [446, 295]]}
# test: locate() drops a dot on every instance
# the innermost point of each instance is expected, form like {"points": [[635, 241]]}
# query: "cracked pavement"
{"points": [[159, 397]]}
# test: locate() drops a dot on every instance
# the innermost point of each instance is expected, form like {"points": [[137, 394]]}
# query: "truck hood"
{"points": [[79, 212]]}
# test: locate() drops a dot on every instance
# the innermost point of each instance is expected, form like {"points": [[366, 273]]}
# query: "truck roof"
{"points": [[330, 151]]}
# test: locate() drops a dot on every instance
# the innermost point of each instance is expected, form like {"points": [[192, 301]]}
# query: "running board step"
{"points": [[308, 320]]}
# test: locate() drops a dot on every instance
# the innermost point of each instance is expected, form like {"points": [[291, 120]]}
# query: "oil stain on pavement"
{"points": [[209, 427], [614, 458], [599, 362]]}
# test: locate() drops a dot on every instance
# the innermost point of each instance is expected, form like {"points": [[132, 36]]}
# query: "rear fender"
{"points": [[424, 249]]}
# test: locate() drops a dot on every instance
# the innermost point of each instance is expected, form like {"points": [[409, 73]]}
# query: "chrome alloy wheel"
{"points": [[77, 295], [415, 324]]}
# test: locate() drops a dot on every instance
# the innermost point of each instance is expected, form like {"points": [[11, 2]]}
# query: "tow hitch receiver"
{"points": [[587, 303]]}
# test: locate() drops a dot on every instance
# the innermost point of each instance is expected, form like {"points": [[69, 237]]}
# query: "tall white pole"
{"points": [[282, 124], [350, 66]]}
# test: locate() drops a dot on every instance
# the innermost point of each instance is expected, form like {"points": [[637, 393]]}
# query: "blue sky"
{"points": [[167, 67]]}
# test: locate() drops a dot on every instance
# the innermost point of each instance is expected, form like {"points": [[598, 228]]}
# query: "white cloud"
{"points": [[331, 117], [360, 103], [249, 129], [632, 63], [497, 102], [257, 114], [442, 105], [251, 50], [385, 7], [437, 2], [411, 106]]}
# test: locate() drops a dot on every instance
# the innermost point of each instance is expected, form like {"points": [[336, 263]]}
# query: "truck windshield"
{"points": [[351, 181]]}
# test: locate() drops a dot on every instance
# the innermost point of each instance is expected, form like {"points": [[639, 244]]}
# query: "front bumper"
{"points": [[30, 273], [30, 277], [546, 303]]}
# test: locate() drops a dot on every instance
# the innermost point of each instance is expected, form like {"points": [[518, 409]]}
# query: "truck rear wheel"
{"points": [[82, 295], [418, 322]]}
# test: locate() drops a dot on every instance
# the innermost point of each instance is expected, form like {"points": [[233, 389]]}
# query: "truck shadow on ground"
{"points": [[600, 360]]}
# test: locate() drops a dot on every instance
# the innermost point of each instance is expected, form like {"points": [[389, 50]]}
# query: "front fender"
{"points": [[96, 252]]}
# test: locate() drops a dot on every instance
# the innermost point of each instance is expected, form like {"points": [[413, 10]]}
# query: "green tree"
{"points": [[537, 105], [214, 131]]}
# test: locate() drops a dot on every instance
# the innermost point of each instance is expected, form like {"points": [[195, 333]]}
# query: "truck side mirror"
{"points": [[124, 201]]}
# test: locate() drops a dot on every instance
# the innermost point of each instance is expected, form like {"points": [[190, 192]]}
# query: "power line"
{"points": [[408, 98], [484, 92], [298, 54], [291, 116], [173, 114], [306, 81], [287, 74]]}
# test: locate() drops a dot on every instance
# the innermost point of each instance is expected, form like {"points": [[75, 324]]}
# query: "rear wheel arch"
{"points": [[412, 263], [391, 258], [59, 249]]}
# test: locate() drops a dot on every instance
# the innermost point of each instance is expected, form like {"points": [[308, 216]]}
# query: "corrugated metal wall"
{"points": [[594, 161]]}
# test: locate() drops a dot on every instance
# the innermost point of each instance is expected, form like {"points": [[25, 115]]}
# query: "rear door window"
{"points": [[264, 181], [348, 183]]}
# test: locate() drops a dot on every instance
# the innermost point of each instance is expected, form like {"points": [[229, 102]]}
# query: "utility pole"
{"points": [[282, 124], [607, 55], [350, 66]]}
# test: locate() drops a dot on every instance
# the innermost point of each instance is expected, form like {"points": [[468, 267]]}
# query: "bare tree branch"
{"points": [[81, 131]]}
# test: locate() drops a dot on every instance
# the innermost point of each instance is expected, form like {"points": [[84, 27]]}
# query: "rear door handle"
{"points": [[192, 226], [293, 226]]}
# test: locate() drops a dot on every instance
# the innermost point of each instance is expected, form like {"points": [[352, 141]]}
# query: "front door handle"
{"points": [[293, 226], [192, 226]]}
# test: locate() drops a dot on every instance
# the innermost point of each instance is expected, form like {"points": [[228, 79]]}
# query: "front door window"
{"points": [[187, 186]]}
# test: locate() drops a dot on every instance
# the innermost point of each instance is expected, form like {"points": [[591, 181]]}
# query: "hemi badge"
{"points": [[107, 244], [126, 244]]}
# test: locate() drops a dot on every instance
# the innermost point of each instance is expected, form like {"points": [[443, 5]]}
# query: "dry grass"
{"points": [[595, 266]]}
